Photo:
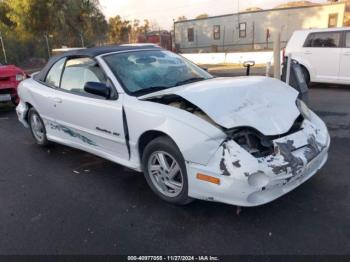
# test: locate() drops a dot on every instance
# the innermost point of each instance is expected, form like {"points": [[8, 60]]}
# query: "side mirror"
{"points": [[205, 68], [96, 88]]}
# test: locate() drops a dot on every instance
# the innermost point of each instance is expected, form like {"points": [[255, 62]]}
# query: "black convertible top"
{"points": [[91, 52]]}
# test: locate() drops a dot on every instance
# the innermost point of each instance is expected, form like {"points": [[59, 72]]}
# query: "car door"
{"points": [[321, 52], [43, 92], [87, 121], [344, 72]]}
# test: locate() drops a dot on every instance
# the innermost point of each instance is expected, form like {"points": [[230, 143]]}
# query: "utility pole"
{"points": [[277, 54], [174, 38], [253, 40], [47, 45], [3, 48], [82, 39]]}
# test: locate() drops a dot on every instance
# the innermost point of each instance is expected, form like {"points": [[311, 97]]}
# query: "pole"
{"points": [[253, 42], [277, 55], [3, 48], [174, 37], [223, 40], [289, 63], [82, 40], [47, 45]]}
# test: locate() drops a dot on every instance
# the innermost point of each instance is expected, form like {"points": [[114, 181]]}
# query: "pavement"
{"points": [[64, 201]]}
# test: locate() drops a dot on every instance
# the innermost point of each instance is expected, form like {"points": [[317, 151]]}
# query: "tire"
{"points": [[165, 183], [36, 124], [15, 101]]}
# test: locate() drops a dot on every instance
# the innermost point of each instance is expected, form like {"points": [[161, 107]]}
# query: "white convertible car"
{"points": [[243, 141]]}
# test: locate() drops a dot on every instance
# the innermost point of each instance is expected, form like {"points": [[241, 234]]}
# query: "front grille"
{"points": [[7, 91], [6, 78]]}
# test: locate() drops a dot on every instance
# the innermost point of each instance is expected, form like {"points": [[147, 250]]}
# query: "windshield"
{"points": [[143, 72]]}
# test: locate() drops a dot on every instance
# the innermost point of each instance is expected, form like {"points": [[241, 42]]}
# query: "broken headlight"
{"points": [[304, 110], [252, 141]]}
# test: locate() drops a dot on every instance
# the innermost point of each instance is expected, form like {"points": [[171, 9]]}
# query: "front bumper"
{"points": [[249, 181]]}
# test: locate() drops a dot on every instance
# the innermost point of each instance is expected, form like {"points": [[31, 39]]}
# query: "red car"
{"points": [[10, 77]]}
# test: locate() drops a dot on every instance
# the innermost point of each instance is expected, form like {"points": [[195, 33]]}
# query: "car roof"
{"points": [[332, 29], [92, 53]]}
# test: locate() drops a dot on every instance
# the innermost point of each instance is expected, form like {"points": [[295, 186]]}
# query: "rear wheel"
{"points": [[37, 127], [165, 171]]}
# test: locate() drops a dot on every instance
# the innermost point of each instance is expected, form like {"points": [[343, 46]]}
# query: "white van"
{"points": [[324, 54]]}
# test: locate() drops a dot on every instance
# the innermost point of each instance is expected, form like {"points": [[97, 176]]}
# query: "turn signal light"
{"points": [[209, 179]]}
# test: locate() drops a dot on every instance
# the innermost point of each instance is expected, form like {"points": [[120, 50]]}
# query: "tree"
{"points": [[202, 16], [24, 23], [118, 30], [182, 18]]}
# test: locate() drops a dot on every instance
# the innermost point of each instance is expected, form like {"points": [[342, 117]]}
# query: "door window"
{"points": [[54, 76], [333, 20], [216, 31], [190, 34], [324, 39], [347, 40], [78, 72]]}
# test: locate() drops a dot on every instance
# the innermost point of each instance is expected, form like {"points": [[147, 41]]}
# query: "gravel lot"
{"points": [[64, 201]]}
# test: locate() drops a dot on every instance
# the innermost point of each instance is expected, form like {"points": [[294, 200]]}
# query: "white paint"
{"points": [[261, 103], [240, 101]]}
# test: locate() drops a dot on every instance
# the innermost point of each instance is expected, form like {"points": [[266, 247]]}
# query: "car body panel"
{"points": [[113, 129], [9, 83], [243, 101], [326, 64]]}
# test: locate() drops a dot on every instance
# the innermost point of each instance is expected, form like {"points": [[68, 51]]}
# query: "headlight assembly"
{"points": [[20, 77]]}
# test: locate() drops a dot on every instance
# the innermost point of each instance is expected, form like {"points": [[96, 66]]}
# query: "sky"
{"points": [[162, 12]]}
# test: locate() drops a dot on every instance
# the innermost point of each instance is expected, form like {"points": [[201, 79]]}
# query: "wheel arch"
{"points": [[149, 136]]}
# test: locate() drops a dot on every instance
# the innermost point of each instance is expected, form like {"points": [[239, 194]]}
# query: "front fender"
{"points": [[197, 139]]}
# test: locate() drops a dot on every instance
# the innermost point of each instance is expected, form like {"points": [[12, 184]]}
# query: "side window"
{"points": [[242, 30], [347, 40], [78, 71], [326, 39], [216, 32], [332, 20], [54, 76], [190, 34]]}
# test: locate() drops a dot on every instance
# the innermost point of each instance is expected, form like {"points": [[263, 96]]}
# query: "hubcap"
{"points": [[165, 173], [37, 127]]}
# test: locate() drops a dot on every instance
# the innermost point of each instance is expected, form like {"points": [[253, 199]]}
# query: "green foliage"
{"points": [[24, 24], [122, 31]]}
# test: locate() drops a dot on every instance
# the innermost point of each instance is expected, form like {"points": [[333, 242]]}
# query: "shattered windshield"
{"points": [[143, 72]]}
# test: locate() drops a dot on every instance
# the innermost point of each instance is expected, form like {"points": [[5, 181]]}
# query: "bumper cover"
{"points": [[249, 181]]}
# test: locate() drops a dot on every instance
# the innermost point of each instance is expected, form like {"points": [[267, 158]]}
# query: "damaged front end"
{"points": [[255, 169]]}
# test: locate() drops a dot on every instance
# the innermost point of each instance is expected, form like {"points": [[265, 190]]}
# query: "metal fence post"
{"points": [[277, 55]]}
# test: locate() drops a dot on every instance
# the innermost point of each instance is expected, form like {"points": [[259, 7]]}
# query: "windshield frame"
{"points": [[134, 94]]}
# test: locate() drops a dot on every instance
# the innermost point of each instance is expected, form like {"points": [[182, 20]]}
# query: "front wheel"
{"points": [[165, 171], [37, 127]]}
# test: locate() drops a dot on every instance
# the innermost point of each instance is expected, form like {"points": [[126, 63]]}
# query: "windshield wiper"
{"points": [[190, 80], [148, 90]]}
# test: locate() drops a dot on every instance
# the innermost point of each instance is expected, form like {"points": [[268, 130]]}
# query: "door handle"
{"points": [[347, 53], [57, 100], [307, 52]]}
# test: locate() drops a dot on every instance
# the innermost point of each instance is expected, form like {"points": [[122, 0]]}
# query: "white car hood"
{"points": [[265, 104]]}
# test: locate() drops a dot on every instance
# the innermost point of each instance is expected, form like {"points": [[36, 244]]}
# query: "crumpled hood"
{"points": [[265, 104]]}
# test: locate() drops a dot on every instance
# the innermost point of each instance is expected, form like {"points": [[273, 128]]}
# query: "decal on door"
{"points": [[107, 131], [71, 133]]}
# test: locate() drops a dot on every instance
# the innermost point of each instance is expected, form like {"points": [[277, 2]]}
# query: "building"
{"points": [[253, 30]]}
